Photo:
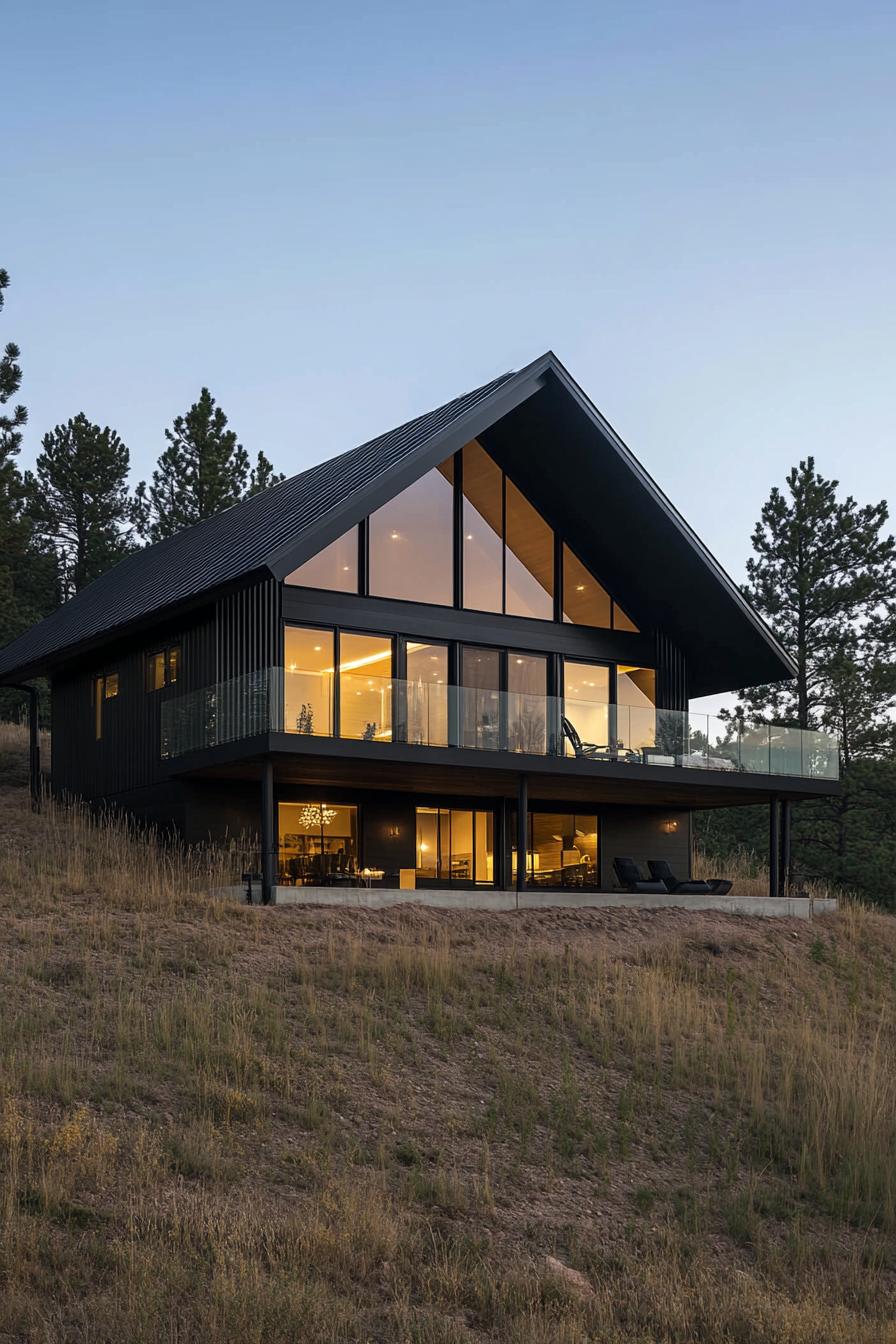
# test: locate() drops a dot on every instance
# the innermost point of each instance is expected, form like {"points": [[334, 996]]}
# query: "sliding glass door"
{"points": [[455, 846]]}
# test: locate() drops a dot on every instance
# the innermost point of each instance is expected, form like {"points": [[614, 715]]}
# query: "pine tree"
{"points": [[26, 572], [78, 500], [203, 470], [13, 421], [262, 476], [823, 574]]}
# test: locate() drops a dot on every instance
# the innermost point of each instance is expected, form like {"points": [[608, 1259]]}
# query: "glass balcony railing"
{"points": [[357, 707]]}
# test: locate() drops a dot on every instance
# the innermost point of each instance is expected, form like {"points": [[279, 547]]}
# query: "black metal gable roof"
{"points": [[275, 531], [234, 543]]}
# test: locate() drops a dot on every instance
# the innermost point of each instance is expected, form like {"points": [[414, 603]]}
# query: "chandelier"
{"points": [[315, 814]]}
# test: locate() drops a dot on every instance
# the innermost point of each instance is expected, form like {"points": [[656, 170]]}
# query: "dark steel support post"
{"points": [[774, 848], [522, 832], [501, 843], [267, 832], [786, 828], [33, 741]]}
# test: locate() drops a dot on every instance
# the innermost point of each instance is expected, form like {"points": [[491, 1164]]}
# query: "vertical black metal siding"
{"points": [[671, 675], [128, 755], [247, 630]]}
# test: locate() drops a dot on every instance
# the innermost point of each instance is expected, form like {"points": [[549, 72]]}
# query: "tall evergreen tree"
{"points": [[203, 470], [12, 421], [26, 572], [78, 499], [823, 573]]}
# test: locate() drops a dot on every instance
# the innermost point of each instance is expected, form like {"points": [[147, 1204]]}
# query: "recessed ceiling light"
{"points": [[316, 650], [580, 587], [394, 536]]}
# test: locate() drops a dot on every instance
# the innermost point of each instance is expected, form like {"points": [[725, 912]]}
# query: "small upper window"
{"points": [[105, 687], [162, 668]]}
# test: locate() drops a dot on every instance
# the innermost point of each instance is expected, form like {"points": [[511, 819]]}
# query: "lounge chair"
{"points": [[713, 886], [632, 879], [591, 751]]}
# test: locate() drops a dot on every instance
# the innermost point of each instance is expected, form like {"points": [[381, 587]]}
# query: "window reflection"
{"points": [[586, 704], [529, 559], [365, 687], [427, 691], [636, 700], [481, 716], [308, 681], [411, 541], [483, 509], [585, 601], [334, 568], [527, 687]]}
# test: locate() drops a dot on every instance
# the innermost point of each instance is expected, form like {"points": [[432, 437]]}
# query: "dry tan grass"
{"points": [[224, 1123], [749, 875]]}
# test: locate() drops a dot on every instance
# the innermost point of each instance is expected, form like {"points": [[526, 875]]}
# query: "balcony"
{"points": [[355, 707]]}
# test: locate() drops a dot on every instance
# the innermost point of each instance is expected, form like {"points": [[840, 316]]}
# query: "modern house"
{"points": [[459, 656]]}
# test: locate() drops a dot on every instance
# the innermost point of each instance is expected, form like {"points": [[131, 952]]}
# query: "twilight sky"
{"points": [[338, 216]]}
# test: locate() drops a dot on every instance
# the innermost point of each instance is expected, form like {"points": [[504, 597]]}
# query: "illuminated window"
{"points": [[334, 568], [483, 530], [427, 692], [481, 702], [636, 701], [105, 687], [455, 846], [308, 679], [586, 703], [585, 601], [365, 687], [563, 850], [412, 541], [621, 621], [528, 559], [318, 843], [527, 687], [163, 668]]}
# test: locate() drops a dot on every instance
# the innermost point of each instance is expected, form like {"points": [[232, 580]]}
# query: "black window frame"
{"points": [[163, 651], [560, 539], [99, 696]]}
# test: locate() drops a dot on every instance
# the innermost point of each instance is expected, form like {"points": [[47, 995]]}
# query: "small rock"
{"points": [[571, 1277]]}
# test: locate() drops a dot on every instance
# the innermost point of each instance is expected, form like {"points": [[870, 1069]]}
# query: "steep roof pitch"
{"points": [[234, 543], [274, 531]]}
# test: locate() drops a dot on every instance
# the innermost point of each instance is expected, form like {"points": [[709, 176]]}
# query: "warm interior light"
{"points": [[394, 536], [315, 814], [670, 826], [580, 587]]}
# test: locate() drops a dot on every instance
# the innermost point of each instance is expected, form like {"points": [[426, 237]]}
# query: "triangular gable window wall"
{"points": [[507, 551]]}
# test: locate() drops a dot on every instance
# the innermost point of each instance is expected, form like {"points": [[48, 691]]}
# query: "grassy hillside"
{"points": [[221, 1123]]}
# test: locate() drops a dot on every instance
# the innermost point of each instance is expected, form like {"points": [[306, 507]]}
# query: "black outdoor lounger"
{"points": [[660, 871], [631, 877]]}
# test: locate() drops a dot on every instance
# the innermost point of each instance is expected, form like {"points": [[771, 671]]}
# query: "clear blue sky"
{"points": [[339, 216]]}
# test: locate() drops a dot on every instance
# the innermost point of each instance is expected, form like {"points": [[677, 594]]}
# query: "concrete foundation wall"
{"points": [[375, 898]]}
